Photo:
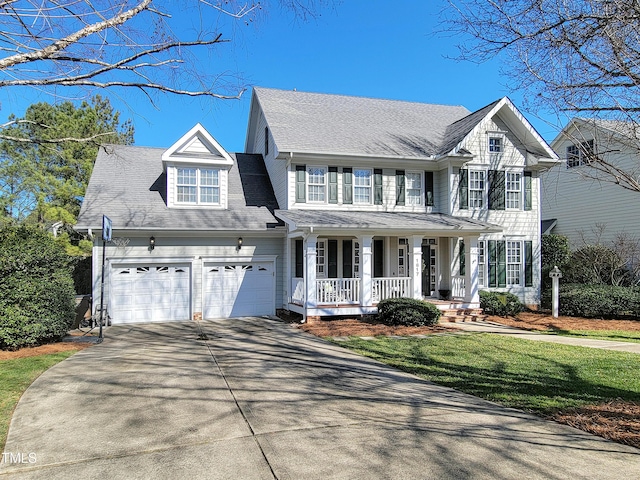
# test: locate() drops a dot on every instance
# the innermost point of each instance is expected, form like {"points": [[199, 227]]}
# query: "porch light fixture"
{"points": [[239, 243], [152, 243]]}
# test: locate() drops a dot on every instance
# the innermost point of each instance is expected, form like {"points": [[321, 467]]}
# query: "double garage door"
{"points": [[163, 292]]}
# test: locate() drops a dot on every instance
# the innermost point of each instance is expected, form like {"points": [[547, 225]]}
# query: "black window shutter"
{"points": [[496, 190], [493, 263], [502, 263], [528, 263], [301, 183], [332, 254], [377, 186], [333, 184], [463, 266], [299, 259], [463, 189], [428, 189], [399, 187], [347, 258], [528, 199], [347, 185]]}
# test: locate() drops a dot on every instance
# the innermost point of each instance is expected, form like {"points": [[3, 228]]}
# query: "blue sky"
{"points": [[360, 47]]}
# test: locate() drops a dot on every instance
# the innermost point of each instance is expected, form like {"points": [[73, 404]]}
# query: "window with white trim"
{"points": [[198, 186], [317, 184], [513, 189], [495, 144], [476, 188], [514, 262], [413, 185], [481, 264], [356, 259], [320, 259], [362, 186], [579, 154]]}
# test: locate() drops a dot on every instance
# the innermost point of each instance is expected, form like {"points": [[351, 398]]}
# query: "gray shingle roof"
{"points": [[129, 186], [391, 221], [312, 122], [456, 132]]}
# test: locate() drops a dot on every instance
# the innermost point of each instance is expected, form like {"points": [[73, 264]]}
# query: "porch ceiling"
{"points": [[383, 222]]}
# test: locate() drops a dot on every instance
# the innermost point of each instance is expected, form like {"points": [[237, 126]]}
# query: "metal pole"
{"points": [[100, 337]]}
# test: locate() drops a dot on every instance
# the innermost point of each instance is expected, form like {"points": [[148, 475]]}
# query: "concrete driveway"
{"points": [[255, 398]]}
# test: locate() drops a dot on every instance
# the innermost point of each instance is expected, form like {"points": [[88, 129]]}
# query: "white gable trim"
{"points": [[505, 102], [197, 145]]}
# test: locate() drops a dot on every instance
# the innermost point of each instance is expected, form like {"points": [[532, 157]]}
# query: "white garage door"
{"points": [[238, 290], [150, 293]]}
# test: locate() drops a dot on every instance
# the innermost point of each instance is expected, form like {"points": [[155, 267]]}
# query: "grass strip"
{"points": [[612, 335], [534, 376], [15, 377]]}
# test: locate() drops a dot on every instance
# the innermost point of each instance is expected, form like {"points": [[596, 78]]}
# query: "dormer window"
{"points": [[198, 186]]}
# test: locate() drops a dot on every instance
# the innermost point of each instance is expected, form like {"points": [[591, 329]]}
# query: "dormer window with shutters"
{"points": [[197, 168]]}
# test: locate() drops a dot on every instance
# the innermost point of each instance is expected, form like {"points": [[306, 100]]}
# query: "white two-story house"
{"points": [[337, 203]]}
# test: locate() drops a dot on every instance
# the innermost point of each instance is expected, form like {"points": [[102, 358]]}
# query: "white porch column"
{"points": [[366, 270], [310, 270], [471, 270], [416, 265], [288, 294]]}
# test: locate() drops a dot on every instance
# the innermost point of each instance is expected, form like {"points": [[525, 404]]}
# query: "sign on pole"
{"points": [[106, 228]]}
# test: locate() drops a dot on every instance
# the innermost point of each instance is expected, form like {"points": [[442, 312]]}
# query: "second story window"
{"points": [[476, 189], [361, 186], [579, 154], [198, 186], [513, 190], [317, 186], [414, 188]]}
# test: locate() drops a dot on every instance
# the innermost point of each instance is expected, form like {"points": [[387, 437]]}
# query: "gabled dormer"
{"points": [[197, 170]]}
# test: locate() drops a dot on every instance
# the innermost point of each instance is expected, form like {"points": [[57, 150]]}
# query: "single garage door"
{"points": [[238, 290], [150, 293]]}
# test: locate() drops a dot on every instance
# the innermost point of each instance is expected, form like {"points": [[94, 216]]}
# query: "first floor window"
{"points": [[514, 262], [198, 185], [505, 263], [481, 264], [320, 259], [317, 184], [361, 186], [356, 259]]}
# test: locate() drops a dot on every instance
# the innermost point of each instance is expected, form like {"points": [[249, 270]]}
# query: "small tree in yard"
{"points": [[36, 289]]}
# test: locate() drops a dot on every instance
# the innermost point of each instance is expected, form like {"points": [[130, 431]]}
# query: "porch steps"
{"points": [[458, 315]]}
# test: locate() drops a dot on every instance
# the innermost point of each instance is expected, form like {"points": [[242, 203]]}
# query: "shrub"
{"points": [[598, 264], [408, 312], [500, 303], [596, 301], [37, 301]]}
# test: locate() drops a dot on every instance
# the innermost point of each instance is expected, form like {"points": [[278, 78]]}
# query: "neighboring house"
{"points": [[578, 201], [338, 203]]}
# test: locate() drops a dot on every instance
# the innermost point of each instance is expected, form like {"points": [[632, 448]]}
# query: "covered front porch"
{"points": [[338, 263]]}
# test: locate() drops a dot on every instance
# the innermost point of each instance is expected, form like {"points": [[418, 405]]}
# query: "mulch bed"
{"points": [[544, 321]]}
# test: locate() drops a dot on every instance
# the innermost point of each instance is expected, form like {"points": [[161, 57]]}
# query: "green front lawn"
{"points": [[15, 377], [613, 335], [535, 376]]}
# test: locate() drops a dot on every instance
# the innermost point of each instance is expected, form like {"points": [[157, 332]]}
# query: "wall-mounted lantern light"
{"points": [[152, 243], [239, 243]]}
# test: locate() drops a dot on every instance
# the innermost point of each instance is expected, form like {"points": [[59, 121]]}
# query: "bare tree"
{"points": [[146, 45], [571, 57]]}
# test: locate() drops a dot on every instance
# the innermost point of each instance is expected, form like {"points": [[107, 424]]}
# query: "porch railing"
{"points": [[338, 290], [458, 290], [297, 289], [392, 287]]}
